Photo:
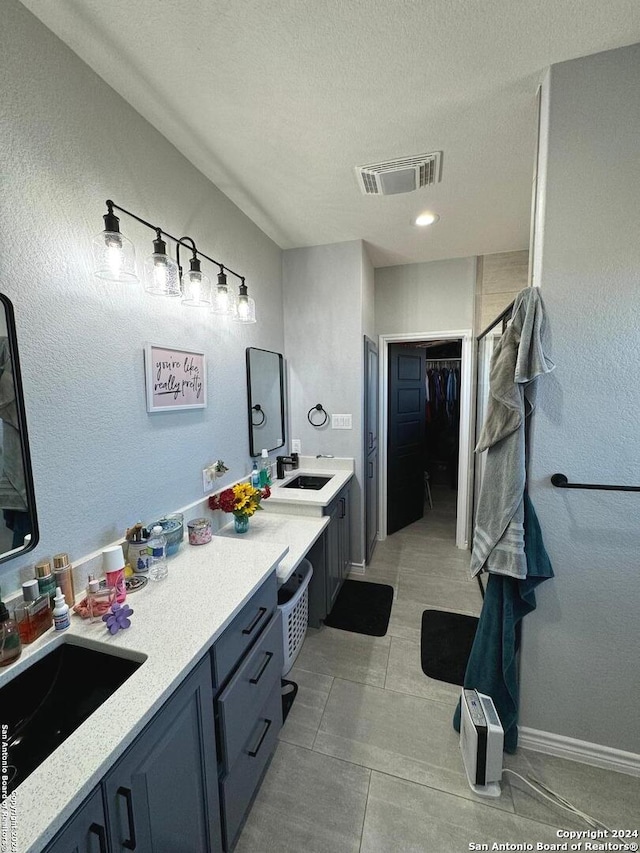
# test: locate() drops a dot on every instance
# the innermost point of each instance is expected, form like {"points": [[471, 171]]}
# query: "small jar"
{"points": [[138, 556], [199, 531]]}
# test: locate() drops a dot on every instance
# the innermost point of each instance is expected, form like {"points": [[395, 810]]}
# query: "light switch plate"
{"points": [[341, 422], [296, 445]]}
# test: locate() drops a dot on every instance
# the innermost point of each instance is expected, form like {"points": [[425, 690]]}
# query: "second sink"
{"points": [[307, 481]]}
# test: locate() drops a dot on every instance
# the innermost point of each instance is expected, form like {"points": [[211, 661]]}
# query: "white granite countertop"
{"points": [[297, 532], [175, 622]]}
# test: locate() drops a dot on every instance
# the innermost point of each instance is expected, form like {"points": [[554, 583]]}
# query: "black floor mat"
{"points": [[289, 693], [362, 607], [445, 644]]}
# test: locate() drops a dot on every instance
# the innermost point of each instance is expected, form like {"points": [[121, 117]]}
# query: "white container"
{"points": [[61, 617], [295, 613]]}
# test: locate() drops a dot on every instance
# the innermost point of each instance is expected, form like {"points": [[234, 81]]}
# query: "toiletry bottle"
{"points": [[255, 476], [33, 614], [10, 645], [157, 546], [64, 577], [99, 598], [113, 565], [265, 469], [61, 614], [46, 580]]}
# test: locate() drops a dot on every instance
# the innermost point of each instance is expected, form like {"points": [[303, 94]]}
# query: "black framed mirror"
{"points": [[265, 393], [18, 521]]}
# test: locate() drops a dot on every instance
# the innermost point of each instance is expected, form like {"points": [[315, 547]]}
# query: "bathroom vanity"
{"points": [[175, 755], [149, 760]]}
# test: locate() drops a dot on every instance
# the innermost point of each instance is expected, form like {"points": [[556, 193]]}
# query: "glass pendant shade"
{"points": [[196, 289], [224, 302], [161, 274], [114, 257], [245, 309]]}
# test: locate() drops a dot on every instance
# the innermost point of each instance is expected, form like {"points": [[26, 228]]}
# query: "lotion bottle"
{"points": [[61, 616]]}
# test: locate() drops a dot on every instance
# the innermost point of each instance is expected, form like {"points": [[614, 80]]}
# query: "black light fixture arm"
{"points": [[179, 241]]}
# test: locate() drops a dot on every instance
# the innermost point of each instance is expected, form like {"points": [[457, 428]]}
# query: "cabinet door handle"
{"points": [[129, 843], [343, 507], [255, 751], [257, 677], [251, 628], [371, 470], [370, 439], [98, 830]]}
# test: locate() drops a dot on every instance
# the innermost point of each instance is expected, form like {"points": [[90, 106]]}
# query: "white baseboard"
{"points": [[580, 750], [358, 569]]}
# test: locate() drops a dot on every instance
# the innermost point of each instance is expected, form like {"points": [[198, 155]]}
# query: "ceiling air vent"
{"points": [[400, 176]]}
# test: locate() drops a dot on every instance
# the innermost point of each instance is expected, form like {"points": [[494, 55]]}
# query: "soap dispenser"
{"points": [[265, 468], [10, 643]]}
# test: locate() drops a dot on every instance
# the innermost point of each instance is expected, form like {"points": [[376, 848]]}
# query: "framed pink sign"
{"points": [[175, 379]]}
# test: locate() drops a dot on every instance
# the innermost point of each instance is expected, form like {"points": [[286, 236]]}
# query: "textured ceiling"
{"points": [[277, 100]]}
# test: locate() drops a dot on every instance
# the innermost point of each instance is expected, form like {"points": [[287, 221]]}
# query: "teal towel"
{"points": [[492, 666]]}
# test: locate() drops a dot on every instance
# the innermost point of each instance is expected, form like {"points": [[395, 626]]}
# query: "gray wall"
{"points": [[323, 307], [100, 462], [581, 648], [431, 297]]}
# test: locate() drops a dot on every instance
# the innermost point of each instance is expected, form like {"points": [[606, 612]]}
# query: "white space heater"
{"points": [[481, 743]]}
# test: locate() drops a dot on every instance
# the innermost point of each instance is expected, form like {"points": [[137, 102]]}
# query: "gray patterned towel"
{"points": [[518, 359]]}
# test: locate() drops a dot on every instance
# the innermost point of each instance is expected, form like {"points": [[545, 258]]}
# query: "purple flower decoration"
{"points": [[118, 617]]}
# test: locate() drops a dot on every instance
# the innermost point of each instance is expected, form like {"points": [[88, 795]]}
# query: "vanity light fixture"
{"points": [[224, 302], [114, 257], [196, 285], [426, 219], [114, 260], [246, 307], [161, 274]]}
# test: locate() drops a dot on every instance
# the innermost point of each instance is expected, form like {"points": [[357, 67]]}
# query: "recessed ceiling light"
{"points": [[427, 219]]}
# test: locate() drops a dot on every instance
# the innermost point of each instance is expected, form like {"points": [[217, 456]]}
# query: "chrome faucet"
{"points": [[283, 461]]}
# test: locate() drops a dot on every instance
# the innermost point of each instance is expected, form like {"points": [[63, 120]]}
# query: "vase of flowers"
{"points": [[241, 523], [243, 500]]}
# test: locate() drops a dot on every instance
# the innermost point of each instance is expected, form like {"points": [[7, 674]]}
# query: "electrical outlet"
{"points": [[296, 445], [208, 479]]}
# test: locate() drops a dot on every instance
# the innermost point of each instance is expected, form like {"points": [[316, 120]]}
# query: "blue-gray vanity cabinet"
{"points": [[330, 557], [248, 705], [162, 795], [86, 831]]}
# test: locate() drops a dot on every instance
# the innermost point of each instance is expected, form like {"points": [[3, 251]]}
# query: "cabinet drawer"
{"points": [[239, 786], [243, 631], [240, 702]]}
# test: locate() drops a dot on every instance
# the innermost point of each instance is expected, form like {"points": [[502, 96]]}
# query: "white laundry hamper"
{"points": [[295, 612]]}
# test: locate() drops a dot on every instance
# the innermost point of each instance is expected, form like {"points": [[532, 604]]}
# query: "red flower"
{"points": [[266, 492], [226, 501]]}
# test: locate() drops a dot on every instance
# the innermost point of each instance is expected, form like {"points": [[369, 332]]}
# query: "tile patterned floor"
{"points": [[368, 760]]}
